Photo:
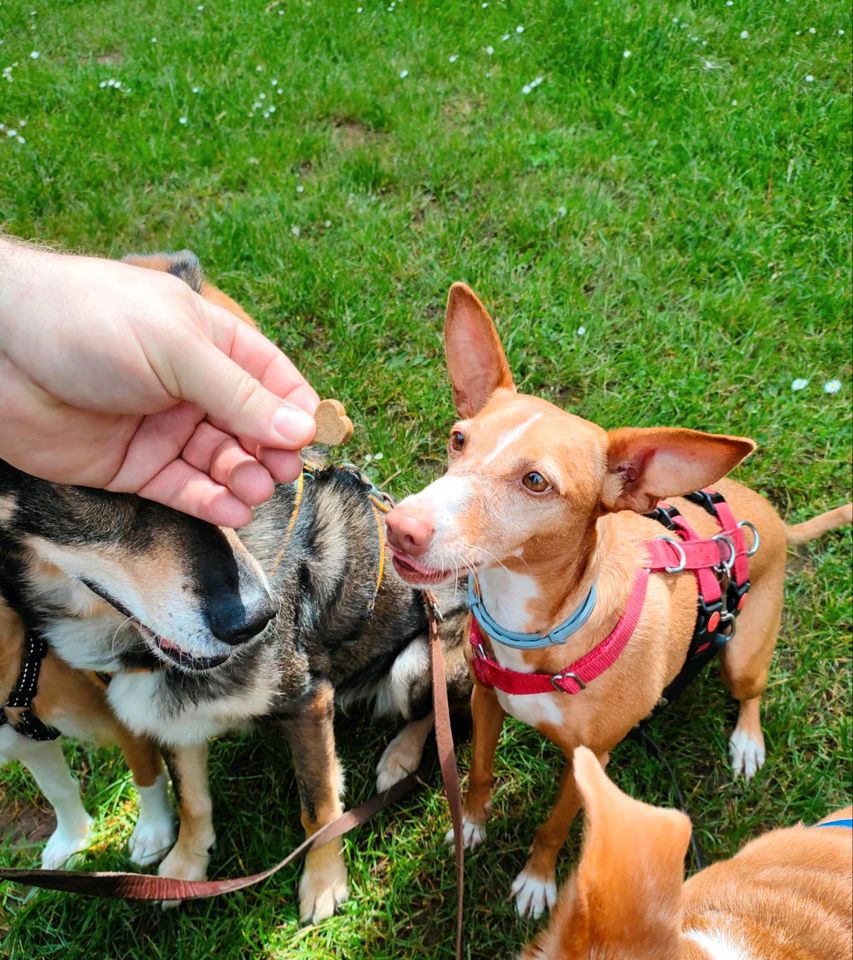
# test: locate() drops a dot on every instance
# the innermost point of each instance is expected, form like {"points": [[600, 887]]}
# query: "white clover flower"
{"points": [[812, 30], [484, 5], [295, 230], [626, 54], [832, 386], [102, 84], [730, 3], [35, 55], [404, 74], [300, 188], [453, 57], [20, 139], [196, 89], [526, 89], [279, 90], [359, 10], [253, 161], [744, 34], [561, 211], [809, 78], [734, 103], [519, 29], [799, 384], [11, 133], [183, 121], [262, 96], [490, 50], [327, 223], [581, 331], [259, 68], [153, 39], [505, 37], [840, 33], [200, 7]]}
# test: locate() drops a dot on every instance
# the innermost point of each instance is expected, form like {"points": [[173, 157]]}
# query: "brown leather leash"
{"points": [[143, 886]]}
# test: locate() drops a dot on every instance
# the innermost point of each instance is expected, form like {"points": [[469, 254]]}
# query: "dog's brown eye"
{"points": [[535, 482], [457, 440]]}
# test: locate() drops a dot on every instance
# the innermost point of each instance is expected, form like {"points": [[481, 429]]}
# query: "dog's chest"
{"points": [[142, 703]]}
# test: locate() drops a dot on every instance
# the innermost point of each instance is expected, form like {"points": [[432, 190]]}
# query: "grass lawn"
{"points": [[661, 227]]}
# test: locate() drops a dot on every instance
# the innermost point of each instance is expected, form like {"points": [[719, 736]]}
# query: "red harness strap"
{"points": [[689, 552]]}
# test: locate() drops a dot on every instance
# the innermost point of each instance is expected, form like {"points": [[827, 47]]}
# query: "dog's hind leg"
{"points": [[189, 858], [403, 754], [745, 662], [311, 736], [154, 832], [46, 763]]}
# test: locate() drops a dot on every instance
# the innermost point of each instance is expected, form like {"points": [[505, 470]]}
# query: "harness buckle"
{"points": [[567, 675], [756, 539], [727, 563], [682, 557]]}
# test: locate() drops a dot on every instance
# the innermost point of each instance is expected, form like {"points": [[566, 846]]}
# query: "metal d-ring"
{"points": [[682, 556], [568, 675], [756, 539], [728, 563]]}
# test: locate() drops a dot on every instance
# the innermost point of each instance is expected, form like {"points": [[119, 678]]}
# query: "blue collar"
{"points": [[529, 641], [836, 823]]}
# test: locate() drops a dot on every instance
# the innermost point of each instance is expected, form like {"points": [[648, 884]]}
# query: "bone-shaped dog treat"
{"points": [[334, 427]]}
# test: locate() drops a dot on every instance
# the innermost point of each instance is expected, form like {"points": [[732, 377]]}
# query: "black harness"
{"points": [[26, 687]]}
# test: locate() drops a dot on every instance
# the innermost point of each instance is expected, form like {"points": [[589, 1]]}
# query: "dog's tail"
{"points": [[803, 532]]}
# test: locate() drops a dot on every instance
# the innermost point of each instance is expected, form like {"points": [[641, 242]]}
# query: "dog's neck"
{"points": [[537, 591]]}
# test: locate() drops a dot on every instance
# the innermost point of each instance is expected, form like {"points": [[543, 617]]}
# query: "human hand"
{"points": [[118, 377]]}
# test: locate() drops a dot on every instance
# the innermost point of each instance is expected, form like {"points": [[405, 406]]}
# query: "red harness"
{"points": [[720, 559]]}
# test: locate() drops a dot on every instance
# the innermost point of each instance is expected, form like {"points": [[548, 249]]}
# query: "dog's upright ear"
{"points": [[648, 465], [475, 357], [626, 892], [185, 266]]}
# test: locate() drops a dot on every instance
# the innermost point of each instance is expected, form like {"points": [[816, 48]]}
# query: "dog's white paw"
{"points": [[150, 840], [183, 864], [66, 840], [398, 760], [154, 833], [533, 894], [473, 834], [322, 890], [747, 754]]}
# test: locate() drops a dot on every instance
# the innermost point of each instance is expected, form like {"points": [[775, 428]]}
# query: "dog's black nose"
{"points": [[231, 623]]}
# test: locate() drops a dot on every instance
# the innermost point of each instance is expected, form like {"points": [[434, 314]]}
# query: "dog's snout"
{"points": [[232, 623], [408, 532]]}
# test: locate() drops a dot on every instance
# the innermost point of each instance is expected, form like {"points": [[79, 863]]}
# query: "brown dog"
{"points": [[785, 895], [546, 512]]}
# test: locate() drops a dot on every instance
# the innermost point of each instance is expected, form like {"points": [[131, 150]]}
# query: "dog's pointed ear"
{"points": [[627, 890], [475, 357], [648, 465]]}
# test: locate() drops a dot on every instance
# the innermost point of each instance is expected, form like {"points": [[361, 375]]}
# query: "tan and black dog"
{"points": [[203, 631]]}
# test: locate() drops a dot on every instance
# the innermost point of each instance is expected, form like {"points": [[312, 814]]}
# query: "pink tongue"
{"points": [[164, 643]]}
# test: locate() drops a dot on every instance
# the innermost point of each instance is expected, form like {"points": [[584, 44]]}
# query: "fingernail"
{"points": [[294, 425]]}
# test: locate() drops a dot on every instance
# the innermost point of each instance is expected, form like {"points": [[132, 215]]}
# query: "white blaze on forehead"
{"points": [[718, 945], [510, 437]]}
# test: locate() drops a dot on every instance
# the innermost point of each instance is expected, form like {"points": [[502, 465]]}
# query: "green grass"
{"points": [[688, 206]]}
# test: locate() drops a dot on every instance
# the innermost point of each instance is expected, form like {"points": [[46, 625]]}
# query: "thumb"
{"points": [[235, 395]]}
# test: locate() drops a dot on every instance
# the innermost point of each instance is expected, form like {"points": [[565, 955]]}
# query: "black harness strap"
{"points": [[26, 687]]}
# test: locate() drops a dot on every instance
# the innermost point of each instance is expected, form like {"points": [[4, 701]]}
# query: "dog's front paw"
{"points": [[747, 754], [398, 760], [66, 840], [322, 889], [473, 834], [183, 864], [533, 894], [150, 840]]}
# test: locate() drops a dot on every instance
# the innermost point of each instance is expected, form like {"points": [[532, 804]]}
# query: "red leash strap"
{"points": [[576, 676], [144, 886], [447, 757]]}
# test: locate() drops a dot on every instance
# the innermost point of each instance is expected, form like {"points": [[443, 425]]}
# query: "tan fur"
{"points": [[73, 699], [578, 532], [785, 896]]}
